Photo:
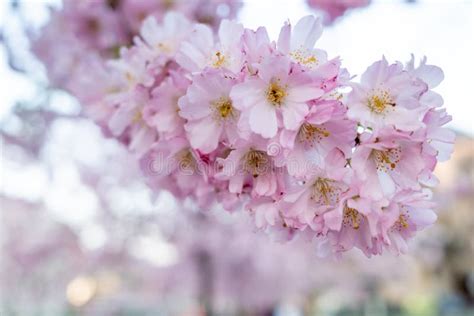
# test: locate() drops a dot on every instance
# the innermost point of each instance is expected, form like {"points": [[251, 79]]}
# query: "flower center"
{"points": [[275, 93], [256, 162], [325, 191], [379, 102], [386, 160], [351, 217], [311, 134], [402, 222], [218, 60], [223, 108]]}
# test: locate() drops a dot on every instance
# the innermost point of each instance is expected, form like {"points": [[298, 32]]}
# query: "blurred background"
{"points": [[82, 235]]}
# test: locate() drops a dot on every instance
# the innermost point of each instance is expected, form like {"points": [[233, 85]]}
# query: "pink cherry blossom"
{"points": [[387, 96], [278, 93], [175, 166], [409, 212], [201, 50], [441, 140], [386, 161], [256, 46], [325, 128], [324, 189], [161, 112], [430, 74], [299, 42], [249, 168], [127, 121], [165, 38], [357, 227], [209, 111]]}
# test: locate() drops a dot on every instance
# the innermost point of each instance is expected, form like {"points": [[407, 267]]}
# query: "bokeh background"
{"points": [[80, 234]]}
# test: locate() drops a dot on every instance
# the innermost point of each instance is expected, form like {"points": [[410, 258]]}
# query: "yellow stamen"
{"points": [[351, 216], [323, 187], [386, 160], [402, 222], [255, 162], [312, 133], [223, 108], [220, 60], [276, 93], [303, 58], [379, 102]]}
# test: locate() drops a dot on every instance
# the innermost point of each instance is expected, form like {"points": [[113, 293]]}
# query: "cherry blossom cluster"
{"points": [[279, 129]]}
